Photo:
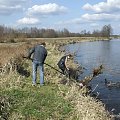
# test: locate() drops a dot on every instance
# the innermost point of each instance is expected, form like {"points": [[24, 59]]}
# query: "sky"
{"points": [[74, 15]]}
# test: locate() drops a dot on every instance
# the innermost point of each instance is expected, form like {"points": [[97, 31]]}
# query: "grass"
{"points": [[28, 102], [54, 101], [38, 103]]}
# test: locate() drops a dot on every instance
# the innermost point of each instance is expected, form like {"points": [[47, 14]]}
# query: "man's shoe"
{"points": [[41, 84], [33, 84]]}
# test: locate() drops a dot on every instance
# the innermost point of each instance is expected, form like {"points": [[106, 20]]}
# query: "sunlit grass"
{"points": [[39, 103]]}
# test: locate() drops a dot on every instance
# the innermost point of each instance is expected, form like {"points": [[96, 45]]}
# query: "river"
{"points": [[107, 53]]}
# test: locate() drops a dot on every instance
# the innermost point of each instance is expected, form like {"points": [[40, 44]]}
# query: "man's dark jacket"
{"points": [[39, 53]]}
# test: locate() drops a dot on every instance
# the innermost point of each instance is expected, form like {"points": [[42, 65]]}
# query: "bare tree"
{"points": [[1, 33], [107, 31], [66, 33]]}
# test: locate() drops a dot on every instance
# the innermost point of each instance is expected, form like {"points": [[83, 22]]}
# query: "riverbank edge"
{"points": [[70, 40]]}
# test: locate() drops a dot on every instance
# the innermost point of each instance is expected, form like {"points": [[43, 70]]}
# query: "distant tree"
{"points": [[41, 32], [83, 33], [9, 34], [75, 35], [34, 32], [49, 33], [88, 34], [1, 33], [66, 33], [96, 33], [59, 33], [107, 31]]}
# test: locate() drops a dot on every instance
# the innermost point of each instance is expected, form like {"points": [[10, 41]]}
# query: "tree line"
{"points": [[8, 33]]}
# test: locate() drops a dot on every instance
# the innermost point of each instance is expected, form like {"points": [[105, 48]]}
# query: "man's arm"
{"points": [[31, 51], [66, 60]]}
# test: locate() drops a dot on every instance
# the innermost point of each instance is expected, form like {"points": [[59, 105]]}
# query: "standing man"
{"points": [[39, 55]]}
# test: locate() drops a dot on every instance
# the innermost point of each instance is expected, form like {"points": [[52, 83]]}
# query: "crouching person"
{"points": [[62, 64]]}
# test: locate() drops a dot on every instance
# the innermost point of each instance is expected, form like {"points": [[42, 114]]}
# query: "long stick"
{"points": [[47, 65], [94, 88], [53, 68]]}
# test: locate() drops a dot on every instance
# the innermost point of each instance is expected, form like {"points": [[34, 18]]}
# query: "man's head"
{"points": [[69, 56], [43, 43]]}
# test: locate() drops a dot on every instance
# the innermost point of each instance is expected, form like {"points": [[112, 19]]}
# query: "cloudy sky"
{"points": [[75, 15]]}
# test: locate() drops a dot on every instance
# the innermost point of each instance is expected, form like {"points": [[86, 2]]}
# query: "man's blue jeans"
{"points": [[37, 64]]}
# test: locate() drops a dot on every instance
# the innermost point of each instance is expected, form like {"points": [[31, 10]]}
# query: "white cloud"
{"points": [[92, 19], [109, 6], [94, 24], [12, 2], [8, 7], [46, 9], [101, 17], [5, 10], [28, 21], [72, 21]]}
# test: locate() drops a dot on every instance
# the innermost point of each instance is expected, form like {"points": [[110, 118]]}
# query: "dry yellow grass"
{"points": [[86, 107]]}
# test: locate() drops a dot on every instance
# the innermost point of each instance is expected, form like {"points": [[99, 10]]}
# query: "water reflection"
{"points": [[93, 54]]}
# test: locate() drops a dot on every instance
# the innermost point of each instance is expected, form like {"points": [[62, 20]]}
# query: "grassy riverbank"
{"points": [[54, 101]]}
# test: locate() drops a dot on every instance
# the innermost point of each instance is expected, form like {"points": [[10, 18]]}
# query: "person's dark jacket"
{"points": [[61, 63], [39, 53]]}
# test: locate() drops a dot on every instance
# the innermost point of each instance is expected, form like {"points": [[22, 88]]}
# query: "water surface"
{"points": [[91, 55]]}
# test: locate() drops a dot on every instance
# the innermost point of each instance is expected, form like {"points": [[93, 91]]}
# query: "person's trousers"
{"points": [[37, 65]]}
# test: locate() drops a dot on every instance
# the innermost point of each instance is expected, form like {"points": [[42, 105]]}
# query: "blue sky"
{"points": [[75, 15]]}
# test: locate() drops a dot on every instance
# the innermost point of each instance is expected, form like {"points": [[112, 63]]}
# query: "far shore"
{"points": [[70, 40]]}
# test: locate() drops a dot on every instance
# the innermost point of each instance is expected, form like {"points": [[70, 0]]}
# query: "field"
{"points": [[53, 101]]}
